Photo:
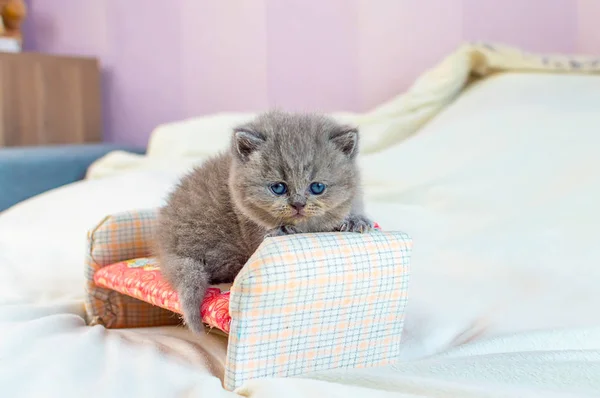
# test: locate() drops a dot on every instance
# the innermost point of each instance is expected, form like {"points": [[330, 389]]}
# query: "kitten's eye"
{"points": [[317, 188], [279, 188]]}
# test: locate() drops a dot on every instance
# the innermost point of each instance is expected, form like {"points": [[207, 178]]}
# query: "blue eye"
{"points": [[317, 188], [279, 188]]}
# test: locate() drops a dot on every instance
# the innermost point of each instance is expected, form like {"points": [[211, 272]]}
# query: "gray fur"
{"points": [[220, 213]]}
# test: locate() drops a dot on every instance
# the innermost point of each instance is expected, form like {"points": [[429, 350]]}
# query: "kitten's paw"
{"points": [[356, 223], [282, 231]]}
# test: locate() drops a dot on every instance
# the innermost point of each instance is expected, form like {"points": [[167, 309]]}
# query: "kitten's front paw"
{"points": [[356, 223], [282, 231]]}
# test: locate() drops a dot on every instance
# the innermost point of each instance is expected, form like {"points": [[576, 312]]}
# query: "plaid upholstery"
{"points": [[120, 237], [305, 303]]}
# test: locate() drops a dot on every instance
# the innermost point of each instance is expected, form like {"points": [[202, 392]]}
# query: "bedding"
{"points": [[499, 192]]}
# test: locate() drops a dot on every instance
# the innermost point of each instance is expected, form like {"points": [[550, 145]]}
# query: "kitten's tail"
{"points": [[190, 279]]}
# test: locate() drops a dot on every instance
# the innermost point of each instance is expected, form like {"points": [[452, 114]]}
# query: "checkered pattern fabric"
{"points": [[312, 302], [120, 237]]}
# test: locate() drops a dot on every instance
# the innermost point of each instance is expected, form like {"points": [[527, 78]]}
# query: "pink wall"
{"points": [[167, 60]]}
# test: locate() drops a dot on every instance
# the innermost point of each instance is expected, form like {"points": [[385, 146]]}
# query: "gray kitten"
{"points": [[284, 174]]}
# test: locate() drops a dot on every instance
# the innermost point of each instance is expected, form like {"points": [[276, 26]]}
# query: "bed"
{"points": [[499, 191]]}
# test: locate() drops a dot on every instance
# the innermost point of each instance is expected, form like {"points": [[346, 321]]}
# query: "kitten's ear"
{"points": [[345, 139], [246, 141]]}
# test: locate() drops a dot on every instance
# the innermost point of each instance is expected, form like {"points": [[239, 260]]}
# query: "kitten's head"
{"points": [[289, 168]]}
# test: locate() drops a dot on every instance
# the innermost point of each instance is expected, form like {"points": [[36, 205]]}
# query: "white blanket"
{"points": [[537, 364], [58, 356]]}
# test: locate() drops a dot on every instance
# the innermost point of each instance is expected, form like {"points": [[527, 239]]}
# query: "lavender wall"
{"points": [[167, 60]]}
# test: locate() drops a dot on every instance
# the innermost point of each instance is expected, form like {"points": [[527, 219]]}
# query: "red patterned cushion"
{"points": [[141, 278]]}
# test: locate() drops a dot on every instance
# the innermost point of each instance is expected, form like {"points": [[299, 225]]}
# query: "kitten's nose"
{"points": [[298, 202], [298, 205]]}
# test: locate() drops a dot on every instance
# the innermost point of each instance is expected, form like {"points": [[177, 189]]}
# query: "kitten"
{"points": [[284, 174]]}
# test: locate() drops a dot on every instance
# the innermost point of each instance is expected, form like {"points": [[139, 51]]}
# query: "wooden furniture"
{"points": [[47, 99]]}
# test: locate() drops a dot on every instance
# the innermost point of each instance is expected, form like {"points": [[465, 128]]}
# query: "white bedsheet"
{"points": [[500, 194]]}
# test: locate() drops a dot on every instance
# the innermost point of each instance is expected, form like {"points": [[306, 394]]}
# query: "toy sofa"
{"points": [[302, 303]]}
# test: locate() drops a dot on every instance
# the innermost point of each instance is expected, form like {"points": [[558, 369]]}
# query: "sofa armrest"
{"points": [[29, 171]]}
